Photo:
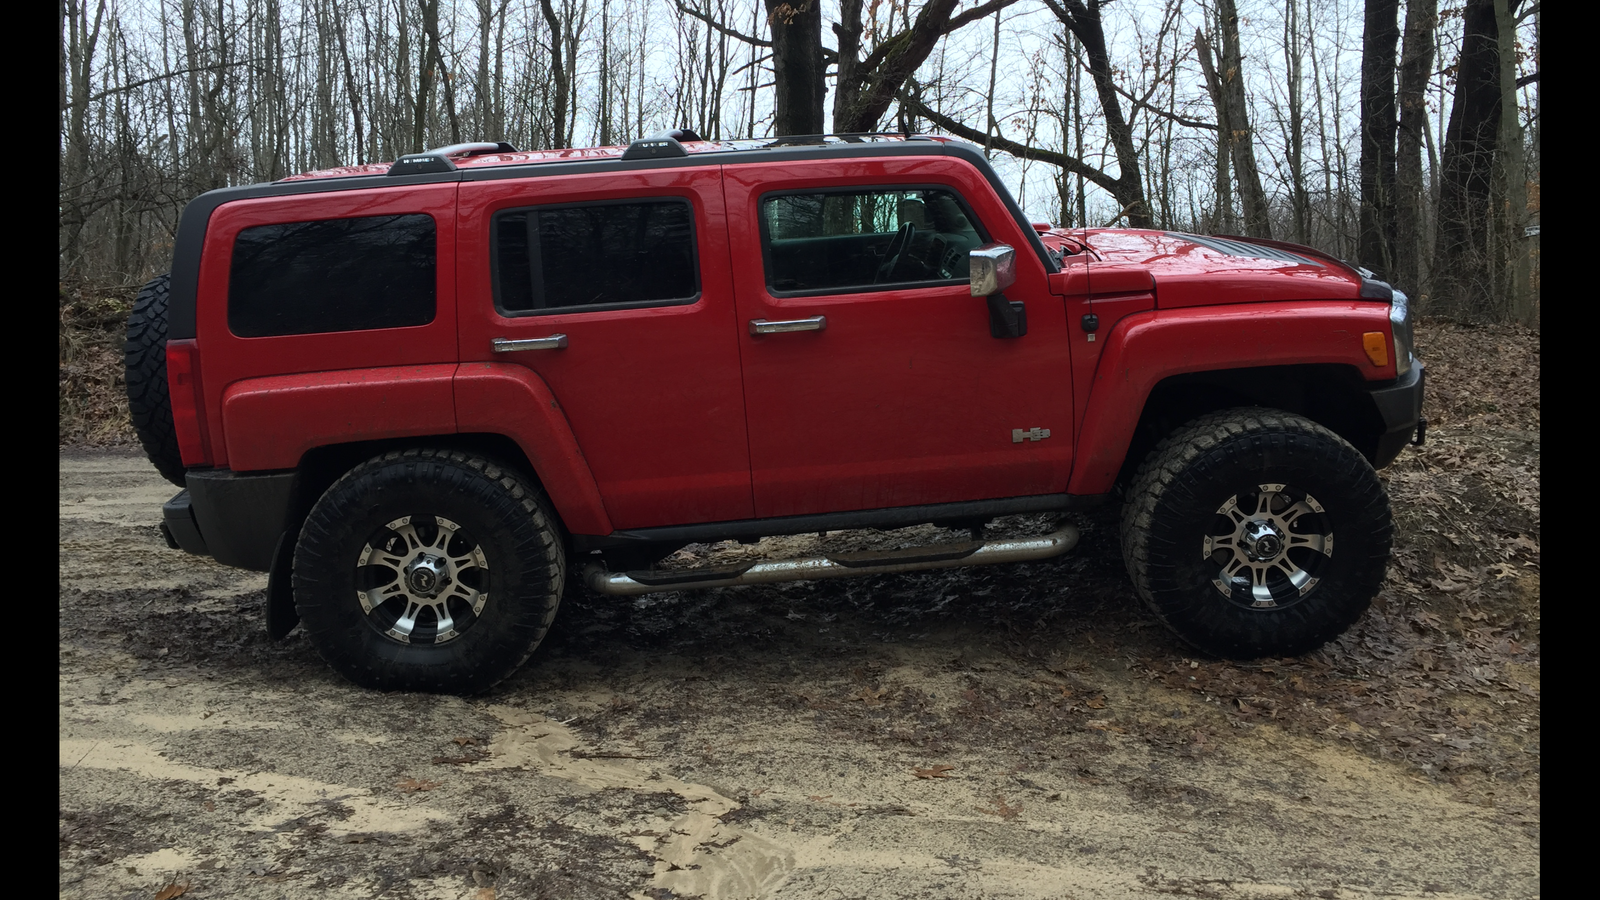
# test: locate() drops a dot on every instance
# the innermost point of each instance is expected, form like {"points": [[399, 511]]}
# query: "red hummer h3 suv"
{"points": [[429, 397]]}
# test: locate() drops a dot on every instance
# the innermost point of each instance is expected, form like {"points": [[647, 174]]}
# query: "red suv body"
{"points": [[692, 341]]}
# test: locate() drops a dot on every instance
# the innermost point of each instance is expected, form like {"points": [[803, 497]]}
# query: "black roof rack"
{"points": [[661, 145]]}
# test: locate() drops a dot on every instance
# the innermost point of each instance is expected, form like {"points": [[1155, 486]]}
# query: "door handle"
{"points": [[762, 326], [553, 342]]}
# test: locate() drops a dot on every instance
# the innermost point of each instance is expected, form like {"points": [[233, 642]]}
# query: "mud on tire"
{"points": [[1253, 533], [144, 359], [429, 570]]}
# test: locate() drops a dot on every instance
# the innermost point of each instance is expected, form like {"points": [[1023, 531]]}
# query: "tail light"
{"points": [[188, 403]]}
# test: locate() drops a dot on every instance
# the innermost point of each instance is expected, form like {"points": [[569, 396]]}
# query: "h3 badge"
{"points": [[1032, 434]]}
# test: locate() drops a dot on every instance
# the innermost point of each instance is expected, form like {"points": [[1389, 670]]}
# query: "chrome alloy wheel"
{"points": [[421, 579], [1269, 546]]}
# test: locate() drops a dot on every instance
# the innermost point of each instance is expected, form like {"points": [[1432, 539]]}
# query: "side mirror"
{"points": [[994, 268]]}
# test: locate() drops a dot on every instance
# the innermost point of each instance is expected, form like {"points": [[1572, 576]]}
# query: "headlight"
{"points": [[1400, 319]]}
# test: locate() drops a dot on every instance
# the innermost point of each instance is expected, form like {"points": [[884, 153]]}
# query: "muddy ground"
{"points": [[1023, 731]]}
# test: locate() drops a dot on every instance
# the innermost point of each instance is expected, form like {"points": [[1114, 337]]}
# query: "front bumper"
{"points": [[1400, 406]]}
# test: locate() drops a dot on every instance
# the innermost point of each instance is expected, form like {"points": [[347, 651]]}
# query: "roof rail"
{"points": [[438, 159], [474, 148], [848, 137]]}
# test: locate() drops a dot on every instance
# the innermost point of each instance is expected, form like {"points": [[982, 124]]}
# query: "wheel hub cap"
{"points": [[1262, 542], [426, 575], [417, 574], [1274, 544]]}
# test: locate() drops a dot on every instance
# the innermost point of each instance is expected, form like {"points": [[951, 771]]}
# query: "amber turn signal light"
{"points": [[1377, 348]]}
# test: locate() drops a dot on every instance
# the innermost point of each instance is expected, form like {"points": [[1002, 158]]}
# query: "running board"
{"points": [[835, 565]]}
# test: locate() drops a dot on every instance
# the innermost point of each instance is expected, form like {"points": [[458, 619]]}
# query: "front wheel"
{"points": [[428, 570], [1256, 533]]}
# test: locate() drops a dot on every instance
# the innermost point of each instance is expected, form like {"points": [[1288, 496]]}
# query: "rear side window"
{"points": [[593, 256], [333, 275]]}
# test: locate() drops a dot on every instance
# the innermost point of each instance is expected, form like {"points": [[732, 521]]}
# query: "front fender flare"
{"points": [[1147, 347]]}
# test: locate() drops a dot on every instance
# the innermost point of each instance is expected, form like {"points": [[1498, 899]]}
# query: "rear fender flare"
{"points": [[496, 398]]}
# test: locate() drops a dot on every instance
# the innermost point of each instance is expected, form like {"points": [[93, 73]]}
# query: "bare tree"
{"points": [[1082, 18], [1411, 196], [1224, 73], [1378, 46], [1462, 280]]}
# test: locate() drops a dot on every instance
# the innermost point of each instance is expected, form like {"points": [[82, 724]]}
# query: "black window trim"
{"points": [[494, 256], [766, 237]]}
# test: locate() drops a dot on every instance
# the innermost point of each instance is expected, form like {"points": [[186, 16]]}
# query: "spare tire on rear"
{"points": [[144, 357]]}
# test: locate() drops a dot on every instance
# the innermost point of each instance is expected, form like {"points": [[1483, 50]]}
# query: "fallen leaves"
{"points": [[937, 771], [999, 807], [173, 889], [465, 759], [870, 697], [412, 785]]}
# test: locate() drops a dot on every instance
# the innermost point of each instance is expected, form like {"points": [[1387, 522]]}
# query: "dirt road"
{"points": [[1012, 732]]}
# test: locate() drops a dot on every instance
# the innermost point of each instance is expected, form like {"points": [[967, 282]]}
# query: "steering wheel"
{"points": [[896, 249]]}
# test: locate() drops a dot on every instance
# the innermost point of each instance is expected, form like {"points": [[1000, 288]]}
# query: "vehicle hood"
{"points": [[1196, 270]]}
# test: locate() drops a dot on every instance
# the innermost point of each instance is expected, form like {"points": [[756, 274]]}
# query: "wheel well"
{"points": [[1333, 396], [320, 467]]}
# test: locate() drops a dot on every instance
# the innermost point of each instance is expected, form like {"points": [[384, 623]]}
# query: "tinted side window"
{"points": [[333, 275], [860, 240], [637, 253]]}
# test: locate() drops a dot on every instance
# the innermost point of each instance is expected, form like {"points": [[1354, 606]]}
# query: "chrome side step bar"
{"points": [[836, 565]]}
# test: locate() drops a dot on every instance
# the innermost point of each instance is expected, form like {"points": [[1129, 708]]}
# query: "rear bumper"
{"points": [[179, 527], [1400, 405], [235, 519]]}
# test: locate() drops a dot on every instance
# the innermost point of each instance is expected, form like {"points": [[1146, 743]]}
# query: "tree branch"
{"points": [[132, 85], [1181, 120], [695, 13], [976, 13], [1069, 163]]}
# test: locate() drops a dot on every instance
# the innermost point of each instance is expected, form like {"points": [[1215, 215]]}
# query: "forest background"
{"points": [[1403, 136]]}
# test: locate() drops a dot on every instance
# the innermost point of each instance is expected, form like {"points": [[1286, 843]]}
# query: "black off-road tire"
{"points": [[1228, 461], [497, 511], [144, 359]]}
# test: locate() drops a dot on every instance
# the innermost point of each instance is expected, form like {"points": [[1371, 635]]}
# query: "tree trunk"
{"points": [[797, 65], [1375, 249], [430, 9], [1222, 219], [1410, 209], [1461, 268], [1242, 147], [1513, 175], [558, 77], [847, 84], [1083, 19], [1293, 56]]}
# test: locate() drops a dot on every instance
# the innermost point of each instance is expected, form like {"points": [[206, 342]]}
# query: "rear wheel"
{"points": [[1256, 533], [429, 570]]}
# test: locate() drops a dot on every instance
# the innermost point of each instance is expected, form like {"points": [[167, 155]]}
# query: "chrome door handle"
{"points": [[553, 342], [762, 326]]}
